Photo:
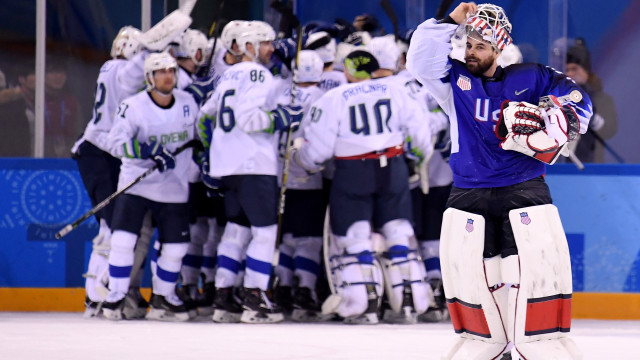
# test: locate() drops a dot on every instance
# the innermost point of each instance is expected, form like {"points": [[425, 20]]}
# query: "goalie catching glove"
{"points": [[535, 131], [153, 150]]}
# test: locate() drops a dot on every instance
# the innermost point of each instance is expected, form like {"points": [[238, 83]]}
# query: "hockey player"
{"points": [[363, 125], [497, 206], [148, 127], [325, 46], [244, 163], [304, 208], [98, 168]]}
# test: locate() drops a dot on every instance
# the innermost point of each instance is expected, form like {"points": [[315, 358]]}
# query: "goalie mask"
{"points": [[230, 35], [192, 42], [157, 61], [490, 24], [126, 43]]}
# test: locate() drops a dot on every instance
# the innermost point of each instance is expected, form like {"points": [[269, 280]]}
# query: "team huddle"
{"points": [[308, 178]]}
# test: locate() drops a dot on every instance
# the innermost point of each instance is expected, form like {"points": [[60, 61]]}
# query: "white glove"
{"points": [[520, 128], [298, 157]]}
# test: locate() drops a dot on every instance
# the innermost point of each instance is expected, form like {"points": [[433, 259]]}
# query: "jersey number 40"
{"points": [[382, 114]]}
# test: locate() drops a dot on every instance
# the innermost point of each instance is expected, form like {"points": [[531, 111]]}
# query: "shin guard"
{"points": [[466, 278], [542, 307]]}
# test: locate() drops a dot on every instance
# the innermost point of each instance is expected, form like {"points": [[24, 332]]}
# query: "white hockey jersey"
{"points": [[218, 67], [332, 79], [108, 95], [363, 117], [240, 105], [439, 171], [298, 177], [139, 117]]}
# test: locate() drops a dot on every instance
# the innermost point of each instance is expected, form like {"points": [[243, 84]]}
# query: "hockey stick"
{"points": [[388, 9], [187, 6], [606, 146], [67, 229], [285, 174], [212, 32]]}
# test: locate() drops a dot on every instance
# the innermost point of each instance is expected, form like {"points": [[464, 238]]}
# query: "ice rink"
{"points": [[69, 336]]}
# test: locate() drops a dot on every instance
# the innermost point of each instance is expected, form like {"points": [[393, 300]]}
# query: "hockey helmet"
{"points": [[310, 67], [157, 61], [126, 43]]}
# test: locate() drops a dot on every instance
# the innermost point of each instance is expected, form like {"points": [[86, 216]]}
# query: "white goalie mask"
{"points": [[230, 35], [254, 33], [157, 61], [126, 43], [309, 69], [489, 24], [192, 41], [323, 44]]}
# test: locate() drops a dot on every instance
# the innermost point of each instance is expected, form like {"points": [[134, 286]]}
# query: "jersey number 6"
{"points": [[227, 119]]}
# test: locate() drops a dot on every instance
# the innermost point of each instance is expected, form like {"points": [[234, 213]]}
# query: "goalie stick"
{"points": [[67, 229]]}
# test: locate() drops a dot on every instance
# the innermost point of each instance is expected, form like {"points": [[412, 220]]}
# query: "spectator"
{"points": [[605, 119], [15, 122], [62, 112]]}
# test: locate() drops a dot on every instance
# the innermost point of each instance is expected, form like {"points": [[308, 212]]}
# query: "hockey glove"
{"points": [[155, 151], [199, 89], [520, 129], [285, 116]]}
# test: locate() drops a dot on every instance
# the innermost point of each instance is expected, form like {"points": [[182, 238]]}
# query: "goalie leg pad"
{"points": [[353, 273], [543, 302], [403, 269], [97, 275], [473, 310]]}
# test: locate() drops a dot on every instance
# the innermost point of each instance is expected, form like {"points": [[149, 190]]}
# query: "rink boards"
{"points": [[38, 272]]}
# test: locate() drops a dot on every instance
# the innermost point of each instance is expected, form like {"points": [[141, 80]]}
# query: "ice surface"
{"points": [[69, 336]]}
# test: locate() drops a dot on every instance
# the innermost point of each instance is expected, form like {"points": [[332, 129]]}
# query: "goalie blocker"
{"points": [[524, 299]]}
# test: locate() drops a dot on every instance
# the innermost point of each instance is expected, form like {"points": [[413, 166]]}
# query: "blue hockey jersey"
{"points": [[473, 105]]}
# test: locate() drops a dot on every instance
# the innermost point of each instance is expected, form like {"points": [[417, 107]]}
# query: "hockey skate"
{"points": [[92, 308], [408, 314], [205, 305], [135, 306], [370, 316], [282, 296], [225, 307], [112, 307], [167, 308], [439, 312], [305, 307], [190, 296], [259, 309]]}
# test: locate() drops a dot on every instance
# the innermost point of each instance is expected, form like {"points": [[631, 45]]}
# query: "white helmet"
{"points": [[126, 43], [310, 67], [343, 49], [254, 33], [385, 50], [230, 34], [192, 41], [489, 24], [157, 61], [323, 44]]}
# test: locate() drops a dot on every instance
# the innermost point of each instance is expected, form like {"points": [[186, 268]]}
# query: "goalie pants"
{"points": [[99, 172], [494, 205]]}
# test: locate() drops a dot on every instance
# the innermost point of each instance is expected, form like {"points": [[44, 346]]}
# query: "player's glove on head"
{"points": [[285, 116], [152, 150]]}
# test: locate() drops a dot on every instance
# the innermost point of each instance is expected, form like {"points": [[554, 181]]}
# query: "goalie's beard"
{"points": [[480, 66]]}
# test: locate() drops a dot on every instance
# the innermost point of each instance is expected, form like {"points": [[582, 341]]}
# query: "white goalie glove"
{"points": [[535, 131]]}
